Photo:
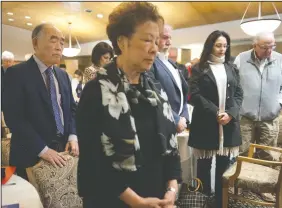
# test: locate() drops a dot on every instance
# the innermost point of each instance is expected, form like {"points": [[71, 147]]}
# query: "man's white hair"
{"points": [[263, 35], [7, 55]]}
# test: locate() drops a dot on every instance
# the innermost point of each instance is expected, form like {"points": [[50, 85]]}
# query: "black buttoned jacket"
{"points": [[204, 129]]}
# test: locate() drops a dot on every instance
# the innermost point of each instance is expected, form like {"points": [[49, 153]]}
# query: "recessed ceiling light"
{"points": [[43, 21], [10, 13], [88, 10], [100, 16], [11, 20], [27, 17], [29, 24]]}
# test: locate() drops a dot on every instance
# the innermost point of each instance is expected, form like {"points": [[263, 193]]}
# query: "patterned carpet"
{"points": [[241, 204]]}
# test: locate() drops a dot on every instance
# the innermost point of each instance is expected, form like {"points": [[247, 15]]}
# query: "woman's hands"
{"points": [[171, 197], [223, 118], [135, 201], [152, 203]]}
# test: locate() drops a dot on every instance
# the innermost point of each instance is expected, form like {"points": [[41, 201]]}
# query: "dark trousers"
{"points": [[204, 174], [58, 146]]}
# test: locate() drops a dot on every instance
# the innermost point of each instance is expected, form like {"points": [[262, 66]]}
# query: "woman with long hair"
{"points": [[216, 95]]}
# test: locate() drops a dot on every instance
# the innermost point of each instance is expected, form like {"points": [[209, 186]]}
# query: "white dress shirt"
{"points": [[42, 67], [176, 76]]}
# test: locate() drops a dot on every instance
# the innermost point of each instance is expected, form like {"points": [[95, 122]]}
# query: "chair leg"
{"points": [[278, 200], [236, 190], [225, 196]]}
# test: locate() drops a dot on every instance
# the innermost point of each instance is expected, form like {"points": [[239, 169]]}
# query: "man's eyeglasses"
{"points": [[219, 46], [265, 47]]}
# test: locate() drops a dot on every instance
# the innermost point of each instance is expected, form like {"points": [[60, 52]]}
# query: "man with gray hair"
{"points": [[38, 104], [261, 79], [171, 78], [7, 61]]}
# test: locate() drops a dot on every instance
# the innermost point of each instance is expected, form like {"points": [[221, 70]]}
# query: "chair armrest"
{"points": [[258, 161], [241, 159], [253, 146]]}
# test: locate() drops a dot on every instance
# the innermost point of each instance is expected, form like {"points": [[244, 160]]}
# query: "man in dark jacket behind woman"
{"points": [[217, 96]]}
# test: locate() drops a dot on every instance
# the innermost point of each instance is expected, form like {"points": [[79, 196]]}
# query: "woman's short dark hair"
{"points": [[208, 46], [126, 17], [99, 50]]}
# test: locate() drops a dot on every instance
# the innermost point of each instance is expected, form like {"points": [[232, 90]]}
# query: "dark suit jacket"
{"points": [[204, 128], [162, 74], [29, 114]]}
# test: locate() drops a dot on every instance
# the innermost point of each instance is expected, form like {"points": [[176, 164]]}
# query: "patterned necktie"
{"points": [[53, 96]]}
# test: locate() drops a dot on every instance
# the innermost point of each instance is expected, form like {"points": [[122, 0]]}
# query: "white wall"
{"points": [[86, 48], [197, 35], [17, 41], [194, 37]]}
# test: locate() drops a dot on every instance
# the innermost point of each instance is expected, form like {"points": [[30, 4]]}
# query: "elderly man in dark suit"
{"points": [[166, 72], [7, 61], [38, 104]]}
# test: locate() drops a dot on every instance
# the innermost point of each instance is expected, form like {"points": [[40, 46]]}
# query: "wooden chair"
{"points": [[254, 175], [56, 186]]}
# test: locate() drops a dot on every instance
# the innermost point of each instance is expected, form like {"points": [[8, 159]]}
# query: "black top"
{"points": [[96, 178], [204, 129]]}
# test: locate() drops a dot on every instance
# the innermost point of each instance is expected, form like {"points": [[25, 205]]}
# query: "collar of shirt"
{"points": [[162, 56], [42, 67], [260, 62]]}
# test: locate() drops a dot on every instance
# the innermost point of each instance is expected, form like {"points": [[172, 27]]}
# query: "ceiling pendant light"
{"points": [[253, 27], [71, 52]]}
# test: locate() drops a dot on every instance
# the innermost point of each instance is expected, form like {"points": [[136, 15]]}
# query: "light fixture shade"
{"points": [[254, 27], [71, 52]]}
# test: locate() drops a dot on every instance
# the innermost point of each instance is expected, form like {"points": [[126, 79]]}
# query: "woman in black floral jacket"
{"points": [[128, 147]]}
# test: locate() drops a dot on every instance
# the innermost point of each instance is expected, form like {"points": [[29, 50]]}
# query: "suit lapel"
{"points": [[228, 73], [167, 70], [208, 70], [183, 81], [44, 94]]}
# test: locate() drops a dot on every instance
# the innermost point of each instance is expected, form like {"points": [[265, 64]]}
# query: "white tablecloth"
{"points": [[188, 162], [22, 192]]}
